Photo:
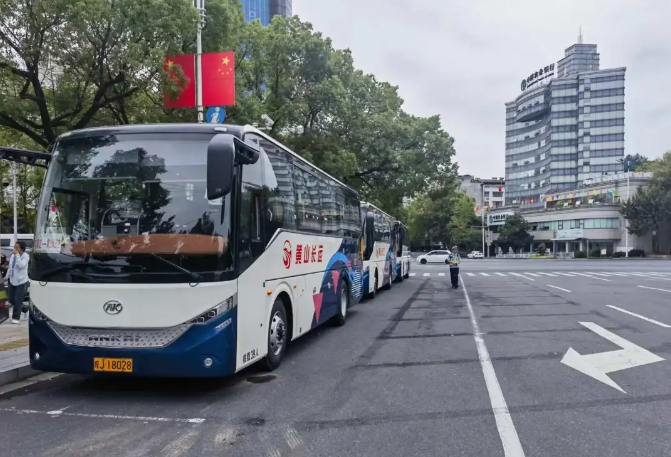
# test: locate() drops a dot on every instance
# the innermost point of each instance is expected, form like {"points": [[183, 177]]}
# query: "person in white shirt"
{"points": [[18, 280]]}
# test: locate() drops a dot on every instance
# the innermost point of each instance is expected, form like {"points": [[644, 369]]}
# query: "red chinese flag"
{"points": [[218, 79], [185, 82]]}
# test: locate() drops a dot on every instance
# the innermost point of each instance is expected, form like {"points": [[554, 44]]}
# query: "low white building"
{"points": [[584, 218]]}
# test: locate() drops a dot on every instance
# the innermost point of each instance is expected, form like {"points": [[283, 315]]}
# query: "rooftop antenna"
{"points": [[580, 35]]}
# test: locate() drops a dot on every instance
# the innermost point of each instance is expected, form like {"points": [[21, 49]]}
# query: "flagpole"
{"points": [[200, 6]]}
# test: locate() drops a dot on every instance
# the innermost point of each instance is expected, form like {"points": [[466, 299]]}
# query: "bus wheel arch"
{"points": [[289, 309]]}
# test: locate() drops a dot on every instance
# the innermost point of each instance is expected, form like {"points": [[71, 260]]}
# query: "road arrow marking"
{"points": [[600, 364]]}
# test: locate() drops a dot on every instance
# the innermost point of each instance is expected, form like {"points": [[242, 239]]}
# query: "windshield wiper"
{"points": [[196, 277], [69, 267]]}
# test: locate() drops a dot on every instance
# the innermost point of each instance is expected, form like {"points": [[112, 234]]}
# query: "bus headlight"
{"points": [[37, 314], [218, 310]]}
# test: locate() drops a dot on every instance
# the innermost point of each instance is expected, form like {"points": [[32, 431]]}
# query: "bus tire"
{"points": [[278, 332], [343, 305]]}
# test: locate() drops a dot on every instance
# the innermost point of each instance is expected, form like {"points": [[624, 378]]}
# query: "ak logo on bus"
{"points": [[287, 254]]}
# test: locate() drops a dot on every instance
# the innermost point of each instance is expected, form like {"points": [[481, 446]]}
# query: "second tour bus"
{"points": [[383, 256], [185, 250]]}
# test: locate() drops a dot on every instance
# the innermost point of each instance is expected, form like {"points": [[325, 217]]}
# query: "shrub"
{"points": [[580, 255], [596, 252], [637, 253], [618, 254]]}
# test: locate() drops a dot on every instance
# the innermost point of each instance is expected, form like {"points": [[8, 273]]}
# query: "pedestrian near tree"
{"points": [[18, 280]]}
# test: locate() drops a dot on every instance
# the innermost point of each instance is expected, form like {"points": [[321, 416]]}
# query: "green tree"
{"points": [[636, 162], [650, 207], [65, 63], [515, 233], [465, 227]]}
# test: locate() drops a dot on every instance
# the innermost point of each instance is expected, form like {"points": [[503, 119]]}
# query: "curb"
{"points": [[17, 374]]}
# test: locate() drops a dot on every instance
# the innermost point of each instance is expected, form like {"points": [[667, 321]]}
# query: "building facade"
{"points": [[567, 126], [264, 10], [581, 219], [484, 192]]}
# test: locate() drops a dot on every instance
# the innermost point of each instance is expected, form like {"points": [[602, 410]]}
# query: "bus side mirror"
{"points": [[220, 166]]}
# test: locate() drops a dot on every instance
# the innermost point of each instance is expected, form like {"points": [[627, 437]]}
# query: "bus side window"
{"points": [[278, 202]]}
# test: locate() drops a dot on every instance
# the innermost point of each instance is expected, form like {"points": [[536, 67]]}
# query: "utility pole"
{"points": [[482, 214], [200, 6], [14, 202]]}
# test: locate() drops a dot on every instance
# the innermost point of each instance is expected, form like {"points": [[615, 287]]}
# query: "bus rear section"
{"points": [[148, 263]]}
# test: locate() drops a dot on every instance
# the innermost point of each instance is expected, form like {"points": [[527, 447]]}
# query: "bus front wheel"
{"points": [[277, 336]]}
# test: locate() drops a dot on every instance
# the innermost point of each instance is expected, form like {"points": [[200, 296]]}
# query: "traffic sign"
{"points": [[216, 115]]}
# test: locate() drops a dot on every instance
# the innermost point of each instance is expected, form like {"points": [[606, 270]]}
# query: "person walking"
{"points": [[455, 260], [18, 280]]}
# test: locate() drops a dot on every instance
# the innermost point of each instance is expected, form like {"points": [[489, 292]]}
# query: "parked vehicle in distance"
{"points": [[475, 255], [434, 257]]}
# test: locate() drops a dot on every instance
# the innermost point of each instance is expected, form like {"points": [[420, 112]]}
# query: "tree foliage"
{"points": [[515, 233], [69, 64], [650, 206]]}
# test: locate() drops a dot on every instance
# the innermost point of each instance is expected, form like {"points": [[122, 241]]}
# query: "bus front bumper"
{"points": [[202, 351]]}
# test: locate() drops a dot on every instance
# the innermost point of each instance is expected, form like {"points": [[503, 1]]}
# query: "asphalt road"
{"points": [[421, 370]]}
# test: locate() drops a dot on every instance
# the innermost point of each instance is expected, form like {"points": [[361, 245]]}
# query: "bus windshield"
{"points": [[131, 208]]}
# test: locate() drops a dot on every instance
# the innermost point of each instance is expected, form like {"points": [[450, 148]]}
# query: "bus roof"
{"points": [[386, 214], [236, 130]]}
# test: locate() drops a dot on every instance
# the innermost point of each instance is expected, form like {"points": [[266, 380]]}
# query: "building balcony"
{"points": [[532, 112]]}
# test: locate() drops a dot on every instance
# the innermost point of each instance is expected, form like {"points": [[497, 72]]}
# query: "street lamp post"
{"points": [[627, 166], [200, 6]]}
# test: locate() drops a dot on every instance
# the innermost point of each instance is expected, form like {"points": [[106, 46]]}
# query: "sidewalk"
{"points": [[14, 364]]}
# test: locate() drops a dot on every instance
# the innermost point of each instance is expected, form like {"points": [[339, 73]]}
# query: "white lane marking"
{"points": [[563, 274], [600, 364], [654, 288], [181, 445], [548, 274], [555, 287], [504, 421], [652, 321], [619, 274], [532, 274], [525, 277], [484, 274], [597, 274], [590, 276], [470, 274], [293, 439], [654, 278], [412, 274], [427, 274], [500, 274], [107, 416], [441, 274]]}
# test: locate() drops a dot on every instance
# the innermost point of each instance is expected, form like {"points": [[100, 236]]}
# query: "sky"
{"points": [[463, 59]]}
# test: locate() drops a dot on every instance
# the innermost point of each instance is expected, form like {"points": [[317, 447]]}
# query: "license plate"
{"points": [[113, 365]]}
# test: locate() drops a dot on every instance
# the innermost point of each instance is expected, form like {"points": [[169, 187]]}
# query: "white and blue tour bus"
{"points": [[384, 259], [184, 250]]}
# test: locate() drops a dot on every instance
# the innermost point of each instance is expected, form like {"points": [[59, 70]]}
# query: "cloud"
{"points": [[464, 59]]}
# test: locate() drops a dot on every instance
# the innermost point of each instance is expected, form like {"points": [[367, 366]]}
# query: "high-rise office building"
{"points": [[264, 10], [566, 126]]}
